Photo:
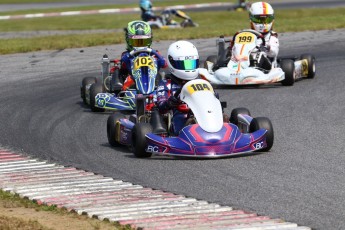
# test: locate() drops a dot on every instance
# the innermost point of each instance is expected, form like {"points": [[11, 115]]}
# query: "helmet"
{"points": [[261, 16], [138, 34], [183, 60], [145, 4]]}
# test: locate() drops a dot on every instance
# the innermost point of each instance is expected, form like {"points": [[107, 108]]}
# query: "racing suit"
{"points": [[125, 70], [165, 91]]}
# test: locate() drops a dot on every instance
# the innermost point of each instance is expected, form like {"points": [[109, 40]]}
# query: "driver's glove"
{"points": [[173, 102], [264, 48]]}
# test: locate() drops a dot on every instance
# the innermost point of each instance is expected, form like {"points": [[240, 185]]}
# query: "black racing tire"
{"points": [[212, 58], [311, 65], [265, 123], [139, 140], [111, 128], [235, 112], [94, 90], [288, 66], [86, 81]]}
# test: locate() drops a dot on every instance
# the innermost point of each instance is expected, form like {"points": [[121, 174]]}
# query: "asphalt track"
{"points": [[301, 179]]}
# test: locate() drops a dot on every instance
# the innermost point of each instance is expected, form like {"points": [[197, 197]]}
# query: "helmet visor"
{"points": [[140, 42], [185, 64], [262, 19]]}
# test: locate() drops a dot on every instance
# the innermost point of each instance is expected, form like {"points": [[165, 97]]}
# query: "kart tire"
{"points": [[139, 140], [288, 66], [263, 123], [94, 90], [111, 129], [86, 81], [311, 64], [235, 112], [213, 59]]}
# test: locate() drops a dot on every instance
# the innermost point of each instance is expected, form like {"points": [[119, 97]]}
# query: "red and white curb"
{"points": [[107, 199], [110, 11]]}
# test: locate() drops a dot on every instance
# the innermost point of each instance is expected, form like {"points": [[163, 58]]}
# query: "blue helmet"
{"points": [[145, 4]]}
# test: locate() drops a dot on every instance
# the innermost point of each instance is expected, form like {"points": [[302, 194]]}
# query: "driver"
{"points": [[146, 10], [261, 15], [138, 35], [183, 63]]}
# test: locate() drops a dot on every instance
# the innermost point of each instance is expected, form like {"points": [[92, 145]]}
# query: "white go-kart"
{"points": [[248, 64]]}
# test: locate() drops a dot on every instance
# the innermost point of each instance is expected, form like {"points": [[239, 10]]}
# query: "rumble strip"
{"points": [[107, 199]]}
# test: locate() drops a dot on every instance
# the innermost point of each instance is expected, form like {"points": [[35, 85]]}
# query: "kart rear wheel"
{"points": [[94, 90], [263, 123], [86, 81], [112, 130], [235, 112], [288, 66], [139, 140], [311, 64]]}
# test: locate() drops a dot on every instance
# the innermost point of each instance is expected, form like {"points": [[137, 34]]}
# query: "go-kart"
{"points": [[109, 96], [243, 5], [165, 20], [205, 135], [246, 63], [88, 81]]}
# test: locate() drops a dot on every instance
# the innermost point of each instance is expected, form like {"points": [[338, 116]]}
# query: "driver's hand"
{"points": [[173, 101], [264, 48]]}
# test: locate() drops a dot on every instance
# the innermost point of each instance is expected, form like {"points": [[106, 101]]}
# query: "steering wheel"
{"points": [[141, 50]]}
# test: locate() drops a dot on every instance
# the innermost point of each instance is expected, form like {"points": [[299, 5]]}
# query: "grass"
{"points": [[212, 24], [11, 203], [98, 7]]}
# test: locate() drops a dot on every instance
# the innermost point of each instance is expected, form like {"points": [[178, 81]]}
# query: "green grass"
{"points": [[10, 201], [98, 7], [212, 24]]}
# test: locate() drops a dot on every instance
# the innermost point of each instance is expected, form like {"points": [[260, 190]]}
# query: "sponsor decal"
{"points": [[258, 145], [152, 148], [304, 67], [101, 102]]}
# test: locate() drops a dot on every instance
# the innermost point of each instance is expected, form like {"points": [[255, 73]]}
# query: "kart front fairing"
{"points": [[144, 73], [193, 141], [210, 137]]}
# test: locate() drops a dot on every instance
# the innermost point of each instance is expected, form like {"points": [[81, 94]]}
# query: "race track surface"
{"points": [[301, 179]]}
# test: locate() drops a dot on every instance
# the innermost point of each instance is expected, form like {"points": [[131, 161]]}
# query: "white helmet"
{"points": [[261, 16], [183, 60]]}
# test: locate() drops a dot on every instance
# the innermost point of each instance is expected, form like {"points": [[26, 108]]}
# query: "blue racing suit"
{"points": [[166, 89]]}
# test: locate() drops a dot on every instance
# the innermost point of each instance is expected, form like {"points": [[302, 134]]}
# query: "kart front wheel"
{"points": [[86, 81], [263, 123], [139, 140], [288, 66], [113, 129], [235, 112], [94, 90], [311, 64]]}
